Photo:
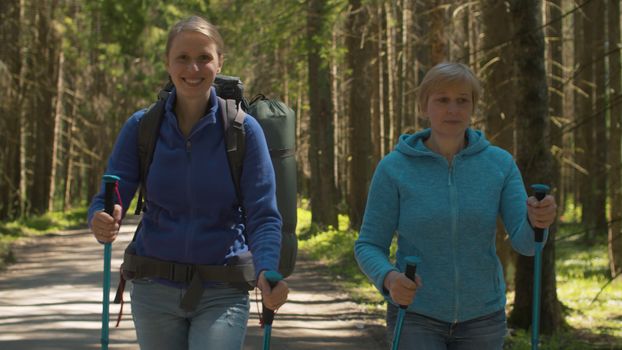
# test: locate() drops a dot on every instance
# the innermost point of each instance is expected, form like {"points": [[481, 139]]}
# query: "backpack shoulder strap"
{"points": [[235, 140], [148, 131]]}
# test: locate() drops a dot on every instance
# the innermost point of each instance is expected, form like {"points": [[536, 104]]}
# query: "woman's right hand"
{"points": [[105, 227], [401, 288]]}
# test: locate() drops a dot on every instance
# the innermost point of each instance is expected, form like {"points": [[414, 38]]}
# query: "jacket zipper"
{"points": [[454, 231], [188, 158]]}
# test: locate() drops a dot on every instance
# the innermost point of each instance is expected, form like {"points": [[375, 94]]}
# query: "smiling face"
{"points": [[192, 63], [449, 109]]}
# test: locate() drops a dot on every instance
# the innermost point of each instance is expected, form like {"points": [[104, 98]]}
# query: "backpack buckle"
{"points": [[182, 272]]}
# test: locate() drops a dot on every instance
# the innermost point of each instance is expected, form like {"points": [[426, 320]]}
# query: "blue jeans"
{"points": [[218, 322], [425, 333]]}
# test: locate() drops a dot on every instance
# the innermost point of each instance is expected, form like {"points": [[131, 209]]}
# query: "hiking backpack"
{"points": [[278, 123]]}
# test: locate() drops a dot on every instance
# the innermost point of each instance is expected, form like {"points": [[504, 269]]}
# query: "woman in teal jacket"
{"points": [[441, 191]]}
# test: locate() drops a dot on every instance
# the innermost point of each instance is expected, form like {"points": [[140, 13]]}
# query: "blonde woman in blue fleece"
{"points": [[441, 191], [194, 216]]}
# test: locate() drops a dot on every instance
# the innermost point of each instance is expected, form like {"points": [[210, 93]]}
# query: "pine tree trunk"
{"points": [[473, 36], [534, 159], [615, 143], [459, 42], [302, 143], [379, 70], [28, 38], [321, 156], [68, 199], [359, 58], [568, 183], [9, 110], [57, 135], [438, 42], [599, 173], [408, 78], [43, 131], [339, 121], [499, 89], [584, 117], [391, 73], [555, 78]]}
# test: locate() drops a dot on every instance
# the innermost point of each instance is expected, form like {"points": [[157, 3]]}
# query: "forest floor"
{"points": [[51, 299]]}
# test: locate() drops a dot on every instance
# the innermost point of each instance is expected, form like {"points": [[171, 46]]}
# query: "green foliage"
{"points": [[37, 225], [572, 211], [53, 221], [521, 340], [582, 272], [46, 223]]}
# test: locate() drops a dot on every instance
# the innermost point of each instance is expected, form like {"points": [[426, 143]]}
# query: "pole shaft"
{"points": [[106, 298], [109, 209], [398, 328], [537, 278], [267, 333]]}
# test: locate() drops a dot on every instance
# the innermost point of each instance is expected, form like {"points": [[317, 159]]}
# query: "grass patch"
{"points": [[581, 273], [37, 225]]}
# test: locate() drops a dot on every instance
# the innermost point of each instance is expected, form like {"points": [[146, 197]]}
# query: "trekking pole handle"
{"points": [[110, 182], [540, 191], [411, 270], [273, 278]]}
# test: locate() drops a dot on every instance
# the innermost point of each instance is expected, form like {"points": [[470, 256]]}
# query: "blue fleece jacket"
{"points": [[191, 212], [446, 215]]}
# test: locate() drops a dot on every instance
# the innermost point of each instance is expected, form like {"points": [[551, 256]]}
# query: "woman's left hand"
{"points": [[275, 297], [541, 213]]}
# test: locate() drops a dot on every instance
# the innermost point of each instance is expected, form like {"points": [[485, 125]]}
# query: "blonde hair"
{"points": [[199, 25], [444, 74]]}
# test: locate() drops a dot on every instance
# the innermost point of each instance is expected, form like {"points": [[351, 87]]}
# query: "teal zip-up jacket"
{"points": [[446, 215]]}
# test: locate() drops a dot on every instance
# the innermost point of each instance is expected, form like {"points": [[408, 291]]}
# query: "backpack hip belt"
{"points": [[135, 266], [239, 273]]}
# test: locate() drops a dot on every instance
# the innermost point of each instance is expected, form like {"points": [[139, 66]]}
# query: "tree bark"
{"points": [[10, 32], [534, 159], [615, 143], [379, 69], [499, 87], [57, 135], [599, 172], [408, 78], [391, 74], [555, 79], [340, 118], [567, 185], [359, 58], [321, 156], [459, 42], [438, 40], [584, 101], [68, 198], [422, 51], [46, 75]]}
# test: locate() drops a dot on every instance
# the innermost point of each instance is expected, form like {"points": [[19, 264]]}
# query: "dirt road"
{"points": [[51, 299]]}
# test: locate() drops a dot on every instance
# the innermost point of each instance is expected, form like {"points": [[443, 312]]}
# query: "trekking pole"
{"points": [[273, 278], [110, 182], [540, 193], [411, 269]]}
